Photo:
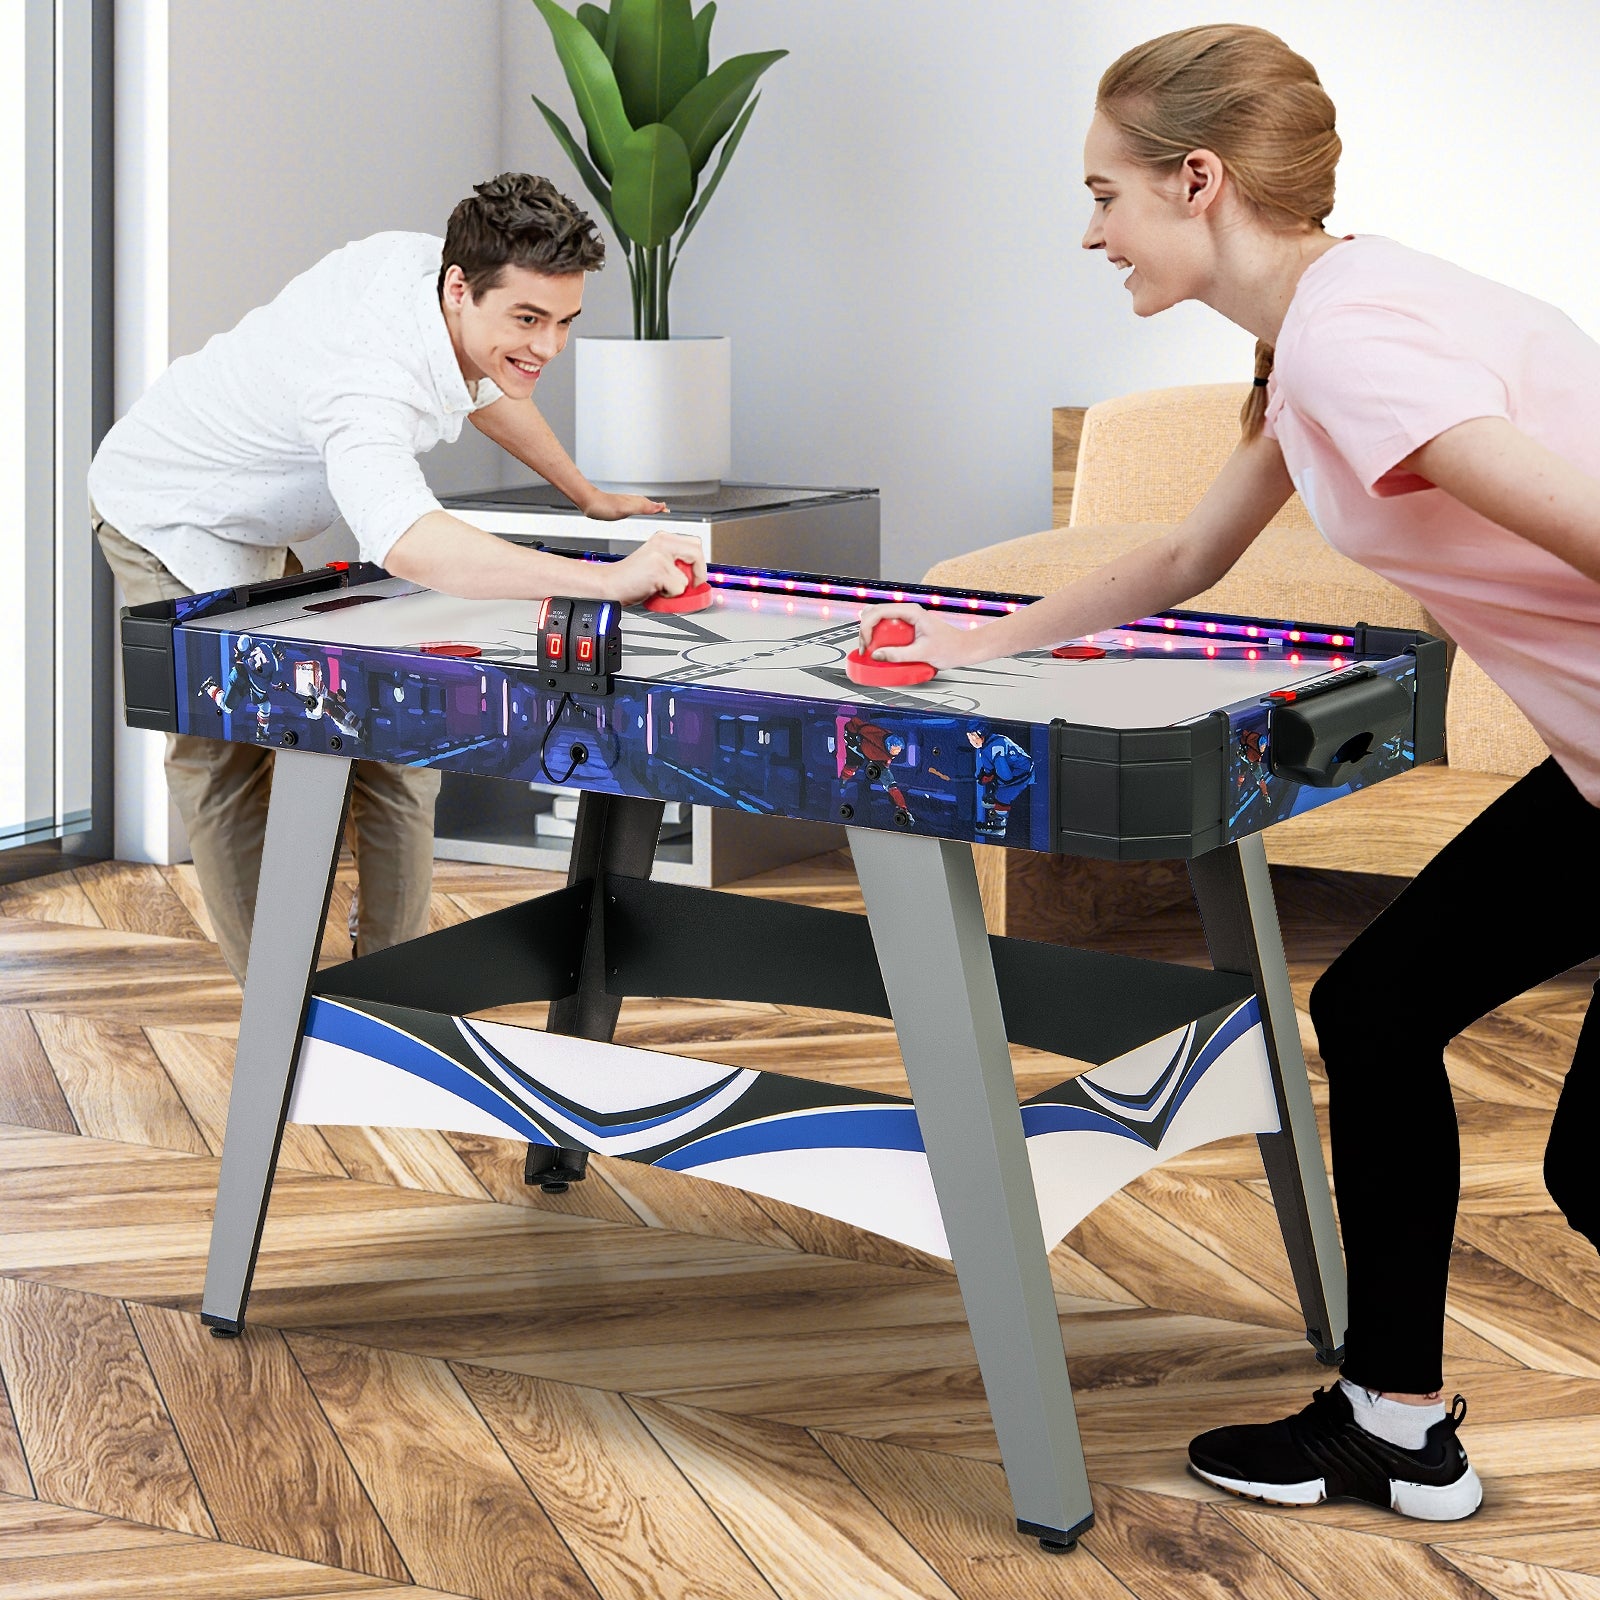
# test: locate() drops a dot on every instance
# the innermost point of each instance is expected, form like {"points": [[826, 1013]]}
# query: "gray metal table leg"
{"points": [[1234, 891], [301, 851], [933, 951]]}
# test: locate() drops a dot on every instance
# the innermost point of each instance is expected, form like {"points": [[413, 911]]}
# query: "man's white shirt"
{"points": [[315, 406]]}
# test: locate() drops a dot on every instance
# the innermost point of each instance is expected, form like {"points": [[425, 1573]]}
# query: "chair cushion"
{"points": [[1484, 730], [1149, 457]]}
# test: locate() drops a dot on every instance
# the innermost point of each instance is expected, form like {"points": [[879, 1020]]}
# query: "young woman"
{"points": [[1444, 431]]}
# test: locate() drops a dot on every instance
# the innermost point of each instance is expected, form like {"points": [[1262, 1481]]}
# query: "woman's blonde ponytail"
{"points": [[1254, 411]]}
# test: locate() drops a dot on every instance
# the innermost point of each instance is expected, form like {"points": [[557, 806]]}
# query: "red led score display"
{"points": [[580, 644]]}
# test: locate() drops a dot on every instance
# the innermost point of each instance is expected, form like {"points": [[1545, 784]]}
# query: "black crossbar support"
{"points": [[525, 952], [667, 939], [706, 944]]}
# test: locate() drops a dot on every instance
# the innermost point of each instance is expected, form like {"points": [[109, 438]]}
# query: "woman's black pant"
{"points": [[1513, 900]]}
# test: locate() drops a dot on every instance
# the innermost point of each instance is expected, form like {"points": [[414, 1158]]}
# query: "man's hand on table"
{"points": [[604, 506], [653, 568], [936, 642]]}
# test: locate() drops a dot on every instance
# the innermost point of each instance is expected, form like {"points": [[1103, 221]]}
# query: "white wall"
{"points": [[895, 247], [298, 126]]}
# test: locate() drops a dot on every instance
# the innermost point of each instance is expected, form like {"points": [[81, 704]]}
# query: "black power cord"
{"points": [[580, 752]]}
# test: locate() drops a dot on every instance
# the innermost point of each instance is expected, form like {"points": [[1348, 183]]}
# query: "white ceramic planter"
{"points": [[654, 416]]}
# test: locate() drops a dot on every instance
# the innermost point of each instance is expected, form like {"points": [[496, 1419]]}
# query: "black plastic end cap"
{"points": [[553, 1168], [1056, 1540]]}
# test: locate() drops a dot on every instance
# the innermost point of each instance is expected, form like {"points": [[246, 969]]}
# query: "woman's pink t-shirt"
{"points": [[1384, 348]]}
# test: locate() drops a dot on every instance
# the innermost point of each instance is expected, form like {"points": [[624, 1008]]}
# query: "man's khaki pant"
{"points": [[221, 791]]}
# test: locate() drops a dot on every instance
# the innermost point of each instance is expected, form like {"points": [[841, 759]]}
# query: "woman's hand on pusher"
{"points": [[934, 641], [653, 568]]}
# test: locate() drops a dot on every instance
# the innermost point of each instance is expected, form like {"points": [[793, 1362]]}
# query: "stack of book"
{"points": [[561, 820]]}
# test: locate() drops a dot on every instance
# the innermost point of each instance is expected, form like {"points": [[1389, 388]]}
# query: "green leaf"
{"points": [[593, 85], [702, 33], [653, 185], [716, 178], [596, 19], [592, 181], [709, 109], [657, 57]]}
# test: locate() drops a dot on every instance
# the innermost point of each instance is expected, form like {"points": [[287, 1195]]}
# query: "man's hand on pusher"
{"points": [[653, 568], [607, 507], [936, 642]]}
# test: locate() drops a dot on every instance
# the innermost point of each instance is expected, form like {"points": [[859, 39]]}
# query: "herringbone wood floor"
{"points": [[655, 1387]]}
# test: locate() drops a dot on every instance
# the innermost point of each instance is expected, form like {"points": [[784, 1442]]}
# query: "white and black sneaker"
{"points": [[1323, 1452]]}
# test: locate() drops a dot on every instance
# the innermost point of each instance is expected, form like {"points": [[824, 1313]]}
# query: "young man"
{"points": [[316, 406]]}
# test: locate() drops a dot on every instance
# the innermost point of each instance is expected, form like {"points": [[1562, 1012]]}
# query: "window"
{"points": [[51, 659]]}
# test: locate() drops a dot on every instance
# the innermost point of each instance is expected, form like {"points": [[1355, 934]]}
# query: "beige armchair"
{"points": [[1143, 461]]}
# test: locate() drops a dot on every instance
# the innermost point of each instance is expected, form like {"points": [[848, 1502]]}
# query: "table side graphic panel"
{"points": [[954, 774], [851, 1154]]}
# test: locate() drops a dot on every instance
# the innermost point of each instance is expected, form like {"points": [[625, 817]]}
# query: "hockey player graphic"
{"points": [[1254, 755], [311, 687], [1002, 769], [865, 744], [257, 665]]}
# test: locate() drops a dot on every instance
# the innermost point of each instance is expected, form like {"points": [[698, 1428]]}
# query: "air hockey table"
{"points": [[1180, 736]]}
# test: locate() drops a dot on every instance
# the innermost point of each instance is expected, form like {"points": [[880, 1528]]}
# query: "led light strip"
{"points": [[870, 593], [1198, 625], [1183, 624]]}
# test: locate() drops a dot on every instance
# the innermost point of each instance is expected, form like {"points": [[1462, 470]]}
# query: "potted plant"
{"points": [[652, 412]]}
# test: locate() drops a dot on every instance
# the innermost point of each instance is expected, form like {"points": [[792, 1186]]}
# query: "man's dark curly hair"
{"points": [[518, 220]]}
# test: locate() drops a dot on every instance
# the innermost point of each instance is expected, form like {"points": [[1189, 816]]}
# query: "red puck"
{"points": [[447, 649], [695, 598], [885, 674], [889, 634], [1078, 652]]}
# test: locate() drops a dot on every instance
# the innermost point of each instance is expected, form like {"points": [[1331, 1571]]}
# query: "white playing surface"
{"points": [[794, 646]]}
